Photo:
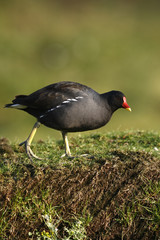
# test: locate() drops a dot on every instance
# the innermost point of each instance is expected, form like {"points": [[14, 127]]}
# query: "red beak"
{"points": [[125, 105]]}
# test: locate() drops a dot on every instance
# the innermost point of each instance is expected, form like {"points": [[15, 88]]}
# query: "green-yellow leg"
{"points": [[28, 142], [67, 149]]}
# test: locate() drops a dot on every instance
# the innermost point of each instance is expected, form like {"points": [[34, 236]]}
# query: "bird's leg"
{"points": [[28, 142], [67, 149]]}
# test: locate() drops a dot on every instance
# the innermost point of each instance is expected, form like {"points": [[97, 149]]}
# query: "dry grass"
{"points": [[114, 197]]}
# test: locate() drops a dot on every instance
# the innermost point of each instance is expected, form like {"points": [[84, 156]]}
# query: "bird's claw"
{"points": [[67, 155], [29, 151]]}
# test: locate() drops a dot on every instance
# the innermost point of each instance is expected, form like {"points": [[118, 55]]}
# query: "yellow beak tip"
{"points": [[129, 109]]}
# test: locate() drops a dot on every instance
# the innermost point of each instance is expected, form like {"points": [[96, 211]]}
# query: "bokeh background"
{"points": [[104, 44]]}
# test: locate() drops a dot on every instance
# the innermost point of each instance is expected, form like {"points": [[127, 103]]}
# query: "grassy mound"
{"points": [[112, 193]]}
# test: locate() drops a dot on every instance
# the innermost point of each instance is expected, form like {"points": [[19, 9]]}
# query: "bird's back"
{"points": [[66, 106]]}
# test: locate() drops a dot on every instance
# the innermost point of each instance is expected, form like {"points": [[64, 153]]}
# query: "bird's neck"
{"points": [[107, 98]]}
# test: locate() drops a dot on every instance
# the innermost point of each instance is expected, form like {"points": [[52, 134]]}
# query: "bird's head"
{"points": [[117, 100]]}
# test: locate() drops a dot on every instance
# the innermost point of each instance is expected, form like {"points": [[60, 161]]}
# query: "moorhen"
{"points": [[68, 107]]}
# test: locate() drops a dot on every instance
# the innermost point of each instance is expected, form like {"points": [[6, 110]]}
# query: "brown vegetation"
{"points": [[112, 192]]}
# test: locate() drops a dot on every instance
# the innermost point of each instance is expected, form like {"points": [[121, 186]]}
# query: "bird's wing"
{"points": [[52, 95]]}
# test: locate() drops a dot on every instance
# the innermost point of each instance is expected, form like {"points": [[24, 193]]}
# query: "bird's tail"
{"points": [[8, 105], [17, 102]]}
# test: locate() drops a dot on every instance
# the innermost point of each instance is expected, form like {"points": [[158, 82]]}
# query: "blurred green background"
{"points": [[104, 44]]}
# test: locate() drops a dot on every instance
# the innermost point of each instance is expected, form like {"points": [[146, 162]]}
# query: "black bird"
{"points": [[68, 107]]}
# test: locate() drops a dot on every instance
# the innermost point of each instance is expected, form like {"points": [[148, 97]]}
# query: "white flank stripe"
{"points": [[79, 97], [61, 105]]}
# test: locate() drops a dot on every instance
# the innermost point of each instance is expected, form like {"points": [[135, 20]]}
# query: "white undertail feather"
{"points": [[18, 106]]}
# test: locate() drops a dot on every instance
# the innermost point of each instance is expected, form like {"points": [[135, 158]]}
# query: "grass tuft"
{"points": [[113, 191]]}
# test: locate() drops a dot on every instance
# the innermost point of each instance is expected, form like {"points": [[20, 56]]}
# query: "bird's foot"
{"points": [[29, 151], [67, 155], [84, 155], [87, 155]]}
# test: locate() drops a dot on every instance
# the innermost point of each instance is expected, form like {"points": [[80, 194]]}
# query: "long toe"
{"points": [[67, 155], [86, 155], [22, 143], [29, 151], [31, 154]]}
